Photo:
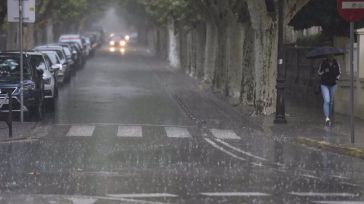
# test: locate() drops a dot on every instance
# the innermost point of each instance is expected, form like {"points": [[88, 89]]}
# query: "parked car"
{"points": [[40, 61], [68, 51], [77, 54], [63, 74], [75, 38], [55, 63], [33, 87], [87, 45]]}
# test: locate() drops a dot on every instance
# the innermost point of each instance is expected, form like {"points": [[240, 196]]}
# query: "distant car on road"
{"points": [[117, 41], [33, 87]]}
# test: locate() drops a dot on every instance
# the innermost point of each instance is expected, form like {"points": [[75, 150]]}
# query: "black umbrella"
{"points": [[323, 52]]}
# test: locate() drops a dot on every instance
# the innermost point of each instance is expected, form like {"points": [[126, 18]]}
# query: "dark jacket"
{"points": [[329, 74]]}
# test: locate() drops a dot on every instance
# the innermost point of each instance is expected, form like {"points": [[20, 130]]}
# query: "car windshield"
{"points": [[67, 51], [60, 54], [11, 66], [52, 56]]}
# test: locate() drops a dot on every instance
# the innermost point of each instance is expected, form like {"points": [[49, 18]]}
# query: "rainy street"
{"points": [[125, 130]]}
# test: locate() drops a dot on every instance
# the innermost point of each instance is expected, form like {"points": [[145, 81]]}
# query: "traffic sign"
{"points": [[28, 11], [351, 10]]}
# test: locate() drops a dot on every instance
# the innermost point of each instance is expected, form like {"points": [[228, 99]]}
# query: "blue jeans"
{"points": [[328, 93]]}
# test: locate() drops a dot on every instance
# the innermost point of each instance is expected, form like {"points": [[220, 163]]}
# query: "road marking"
{"points": [[130, 131], [124, 124], [241, 151], [176, 132], [224, 134], [83, 200], [340, 177], [339, 202], [310, 176], [234, 194], [223, 150], [143, 195], [124, 200], [313, 194], [85, 131], [349, 184]]}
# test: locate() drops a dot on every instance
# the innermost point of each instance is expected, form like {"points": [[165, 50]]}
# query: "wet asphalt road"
{"points": [[129, 129]]}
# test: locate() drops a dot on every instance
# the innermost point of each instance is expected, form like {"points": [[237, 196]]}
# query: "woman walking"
{"points": [[329, 71]]}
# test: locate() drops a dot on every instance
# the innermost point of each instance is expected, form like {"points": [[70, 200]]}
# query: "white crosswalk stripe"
{"points": [[235, 194], [339, 202], [130, 131], [85, 131], [224, 134], [176, 132], [321, 194]]}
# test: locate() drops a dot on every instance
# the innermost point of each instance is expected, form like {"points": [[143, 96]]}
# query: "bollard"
{"points": [[10, 116]]}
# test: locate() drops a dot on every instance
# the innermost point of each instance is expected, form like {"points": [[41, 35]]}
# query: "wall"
{"points": [[342, 99], [302, 79]]}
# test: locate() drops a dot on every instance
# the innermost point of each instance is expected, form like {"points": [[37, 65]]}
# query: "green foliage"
{"points": [[165, 10], [319, 39], [67, 10]]}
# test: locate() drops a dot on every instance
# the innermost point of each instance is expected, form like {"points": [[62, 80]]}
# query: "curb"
{"points": [[348, 151]]}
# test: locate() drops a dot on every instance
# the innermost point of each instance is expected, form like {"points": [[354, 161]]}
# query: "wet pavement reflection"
{"points": [[119, 135]]}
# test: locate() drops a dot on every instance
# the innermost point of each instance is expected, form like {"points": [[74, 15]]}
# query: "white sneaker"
{"points": [[328, 122]]}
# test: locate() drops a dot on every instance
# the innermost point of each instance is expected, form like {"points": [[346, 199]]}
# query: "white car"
{"points": [[56, 63], [63, 73], [38, 60]]}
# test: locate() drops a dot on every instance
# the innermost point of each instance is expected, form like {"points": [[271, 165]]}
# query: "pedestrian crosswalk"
{"points": [[138, 131], [79, 130], [176, 132], [130, 131]]}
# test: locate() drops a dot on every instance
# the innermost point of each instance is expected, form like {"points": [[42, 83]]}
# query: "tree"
{"points": [[3, 12]]}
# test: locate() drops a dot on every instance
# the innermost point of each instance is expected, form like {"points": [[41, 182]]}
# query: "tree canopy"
{"points": [[63, 11], [321, 13]]}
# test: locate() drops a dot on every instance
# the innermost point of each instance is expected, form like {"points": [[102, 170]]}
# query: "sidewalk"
{"points": [[20, 131], [305, 125]]}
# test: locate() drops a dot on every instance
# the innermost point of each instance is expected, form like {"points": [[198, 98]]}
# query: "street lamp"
{"points": [[280, 117], [21, 7]]}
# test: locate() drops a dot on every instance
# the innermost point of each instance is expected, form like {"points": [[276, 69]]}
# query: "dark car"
{"points": [[77, 54], [33, 87]]}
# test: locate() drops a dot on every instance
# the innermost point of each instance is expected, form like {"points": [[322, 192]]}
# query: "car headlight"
{"points": [[112, 43], [122, 43], [29, 87]]}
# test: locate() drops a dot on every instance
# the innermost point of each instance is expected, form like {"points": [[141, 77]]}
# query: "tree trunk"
{"points": [[235, 59], [49, 31], [210, 52], [265, 56], [12, 37], [29, 36], [221, 71], [247, 95], [200, 33], [173, 48]]}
